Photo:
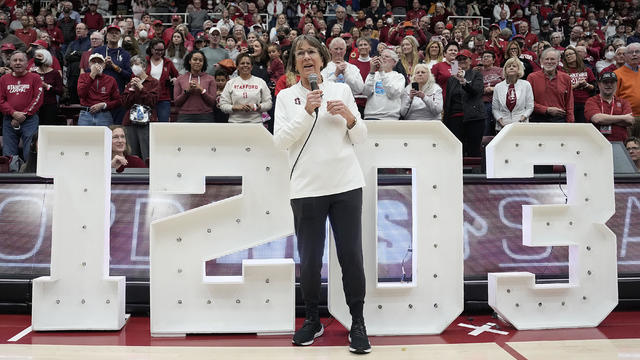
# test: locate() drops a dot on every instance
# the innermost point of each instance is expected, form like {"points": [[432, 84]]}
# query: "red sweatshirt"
{"points": [[195, 103], [101, 89], [22, 93], [556, 92]]}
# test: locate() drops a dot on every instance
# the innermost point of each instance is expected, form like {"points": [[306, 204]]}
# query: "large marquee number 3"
{"points": [[592, 291]]}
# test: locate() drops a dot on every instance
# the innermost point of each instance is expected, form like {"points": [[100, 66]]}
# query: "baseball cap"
{"points": [[608, 76], [7, 47], [407, 24], [201, 38], [494, 26], [545, 22], [111, 27], [464, 52], [214, 29], [96, 56], [388, 13], [40, 43], [519, 36], [157, 22]]}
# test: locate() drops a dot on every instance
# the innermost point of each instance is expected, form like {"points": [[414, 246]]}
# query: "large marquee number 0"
{"points": [[434, 297], [592, 291]]}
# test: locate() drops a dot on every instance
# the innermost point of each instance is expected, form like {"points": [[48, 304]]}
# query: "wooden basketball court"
{"points": [[618, 337]]}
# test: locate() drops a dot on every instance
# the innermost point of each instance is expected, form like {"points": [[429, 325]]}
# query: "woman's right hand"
{"points": [[118, 161], [314, 100]]}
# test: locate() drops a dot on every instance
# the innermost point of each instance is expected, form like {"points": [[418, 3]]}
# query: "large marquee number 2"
{"points": [[592, 292], [183, 298]]}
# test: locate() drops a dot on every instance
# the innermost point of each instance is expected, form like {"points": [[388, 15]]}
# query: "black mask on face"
{"points": [[127, 45], [67, 10], [38, 62], [3, 28]]}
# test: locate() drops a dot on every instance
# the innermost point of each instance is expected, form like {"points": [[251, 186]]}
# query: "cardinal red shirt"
{"points": [[618, 106]]}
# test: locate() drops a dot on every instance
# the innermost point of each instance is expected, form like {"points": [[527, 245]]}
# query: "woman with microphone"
{"points": [[318, 122]]}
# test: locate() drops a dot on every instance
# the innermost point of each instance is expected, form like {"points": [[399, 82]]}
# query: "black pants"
{"points": [[345, 214], [469, 133], [578, 112]]}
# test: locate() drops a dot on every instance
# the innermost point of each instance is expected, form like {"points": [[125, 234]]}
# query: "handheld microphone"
{"points": [[313, 82]]}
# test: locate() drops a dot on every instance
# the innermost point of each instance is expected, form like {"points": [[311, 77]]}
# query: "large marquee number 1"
{"points": [[592, 291]]}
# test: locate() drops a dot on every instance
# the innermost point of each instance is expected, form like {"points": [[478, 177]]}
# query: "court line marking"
{"points": [[20, 335]]}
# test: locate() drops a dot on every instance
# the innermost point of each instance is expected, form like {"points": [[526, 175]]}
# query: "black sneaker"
{"points": [[358, 340], [310, 330]]}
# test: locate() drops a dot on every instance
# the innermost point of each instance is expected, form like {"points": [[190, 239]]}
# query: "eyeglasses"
{"points": [[158, 50], [634, 52], [309, 52]]}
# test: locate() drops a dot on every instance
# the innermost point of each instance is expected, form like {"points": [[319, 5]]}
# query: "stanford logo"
{"points": [[297, 101]]}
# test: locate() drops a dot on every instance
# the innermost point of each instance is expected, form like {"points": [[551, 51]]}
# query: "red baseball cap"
{"points": [[464, 52], [7, 47], [156, 22], [111, 27], [40, 43]]}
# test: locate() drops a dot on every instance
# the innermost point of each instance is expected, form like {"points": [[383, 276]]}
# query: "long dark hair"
{"points": [[172, 50]]}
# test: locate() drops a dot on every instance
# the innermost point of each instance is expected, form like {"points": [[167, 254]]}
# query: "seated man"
{"points": [[610, 114], [98, 93]]}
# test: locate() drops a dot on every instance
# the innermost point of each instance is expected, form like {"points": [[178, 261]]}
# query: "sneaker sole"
{"points": [[316, 335], [358, 351]]}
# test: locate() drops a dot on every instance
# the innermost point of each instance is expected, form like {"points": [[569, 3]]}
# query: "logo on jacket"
{"points": [[18, 88], [103, 90], [297, 101]]}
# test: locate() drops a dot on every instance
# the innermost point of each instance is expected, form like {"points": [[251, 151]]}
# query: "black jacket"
{"points": [[471, 98]]}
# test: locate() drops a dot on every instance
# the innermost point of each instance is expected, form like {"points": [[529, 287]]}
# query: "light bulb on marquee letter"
{"points": [[434, 298], [183, 299], [592, 292]]}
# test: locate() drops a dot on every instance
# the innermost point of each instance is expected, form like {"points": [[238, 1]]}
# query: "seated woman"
{"points": [[422, 99], [633, 147], [512, 97], [121, 157], [246, 96]]}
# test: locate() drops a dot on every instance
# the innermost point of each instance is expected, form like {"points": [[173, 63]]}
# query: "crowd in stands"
{"points": [[475, 65]]}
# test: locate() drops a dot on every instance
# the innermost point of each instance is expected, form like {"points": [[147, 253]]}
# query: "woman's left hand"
{"points": [[337, 107]]}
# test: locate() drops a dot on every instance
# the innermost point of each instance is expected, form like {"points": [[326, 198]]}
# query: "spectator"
{"points": [[281, 21], [552, 91], [162, 69], [442, 70], [338, 70], [195, 91], [574, 37], [409, 56], [434, 54], [176, 51], [545, 31], [422, 99], [189, 40], [416, 11], [635, 38], [157, 31], [633, 147], [405, 29], [97, 101], [556, 40], [96, 40], [140, 98], [491, 76], [116, 59], [609, 55], [222, 77], [55, 33], [629, 78], [341, 19], [246, 96], [130, 44], [275, 65], [27, 34], [67, 10], [232, 48], [196, 17], [51, 85], [20, 100], [619, 59], [464, 112], [513, 97], [260, 60], [121, 157], [499, 8], [383, 88], [611, 115], [582, 81], [214, 52], [42, 44], [93, 18], [496, 43]]}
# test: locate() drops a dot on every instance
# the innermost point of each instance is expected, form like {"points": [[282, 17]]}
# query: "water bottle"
{"points": [[139, 114], [340, 78]]}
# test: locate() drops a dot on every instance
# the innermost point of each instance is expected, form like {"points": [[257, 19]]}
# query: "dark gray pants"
{"points": [[345, 215]]}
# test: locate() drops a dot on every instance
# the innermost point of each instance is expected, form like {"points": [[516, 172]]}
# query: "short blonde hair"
{"points": [[518, 63]]}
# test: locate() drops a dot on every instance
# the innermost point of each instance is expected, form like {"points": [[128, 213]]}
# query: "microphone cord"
{"points": [[303, 145]]}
